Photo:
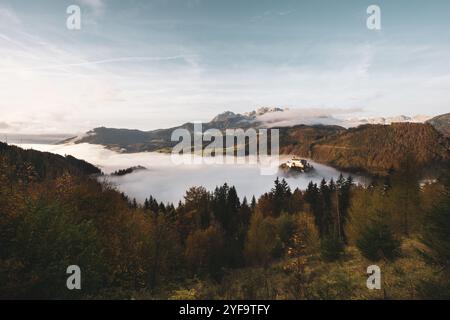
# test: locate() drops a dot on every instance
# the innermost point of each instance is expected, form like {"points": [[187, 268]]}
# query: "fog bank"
{"points": [[168, 182]]}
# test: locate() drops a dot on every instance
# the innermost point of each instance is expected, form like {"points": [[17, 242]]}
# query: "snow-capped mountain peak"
{"points": [[353, 122]]}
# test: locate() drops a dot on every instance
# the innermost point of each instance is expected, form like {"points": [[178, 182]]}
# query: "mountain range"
{"points": [[375, 145]]}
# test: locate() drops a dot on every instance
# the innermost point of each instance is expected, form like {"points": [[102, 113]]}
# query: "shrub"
{"points": [[377, 241], [307, 239], [436, 231], [203, 250], [331, 248], [263, 243], [435, 289]]}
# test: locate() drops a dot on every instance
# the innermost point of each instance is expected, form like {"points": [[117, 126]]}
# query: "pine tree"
{"points": [[377, 241], [253, 204], [281, 197], [312, 196], [331, 247], [327, 223], [343, 187], [162, 208]]}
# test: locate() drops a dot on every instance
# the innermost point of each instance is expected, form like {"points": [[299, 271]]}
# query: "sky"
{"points": [[148, 64]]}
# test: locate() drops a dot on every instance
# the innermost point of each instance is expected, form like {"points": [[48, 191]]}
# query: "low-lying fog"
{"points": [[168, 182]]}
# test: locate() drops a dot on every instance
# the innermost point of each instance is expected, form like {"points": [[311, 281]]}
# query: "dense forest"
{"points": [[42, 165], [374, 149], [441, 123], [288, 244]]}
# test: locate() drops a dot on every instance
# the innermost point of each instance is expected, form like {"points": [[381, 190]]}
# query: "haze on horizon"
{"points": [[155, 64]]}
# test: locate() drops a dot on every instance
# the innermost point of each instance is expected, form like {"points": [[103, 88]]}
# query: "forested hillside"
{"points": [[38, 165], [299, 139], [379, 148], [288, 244], [441, 123]]}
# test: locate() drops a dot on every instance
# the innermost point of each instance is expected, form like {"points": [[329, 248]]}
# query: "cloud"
{"points": [[168, 182], [160, 77], [4, 125], [112, 60], [292, 117], [97, 6], [7, 16], [350, 117], [285, 13], [267, 14]]}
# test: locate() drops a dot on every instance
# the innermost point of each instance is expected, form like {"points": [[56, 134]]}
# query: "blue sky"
{"points": [[150, 64]]}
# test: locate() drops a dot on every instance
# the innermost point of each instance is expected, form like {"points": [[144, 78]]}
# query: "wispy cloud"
{"points": [[308, 116], [104, 61], [8, 16], [188, 64], [97, 6], [270, 13]]}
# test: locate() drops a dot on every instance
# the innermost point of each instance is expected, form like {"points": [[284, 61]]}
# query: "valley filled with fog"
{"points": [[168, 182]]}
